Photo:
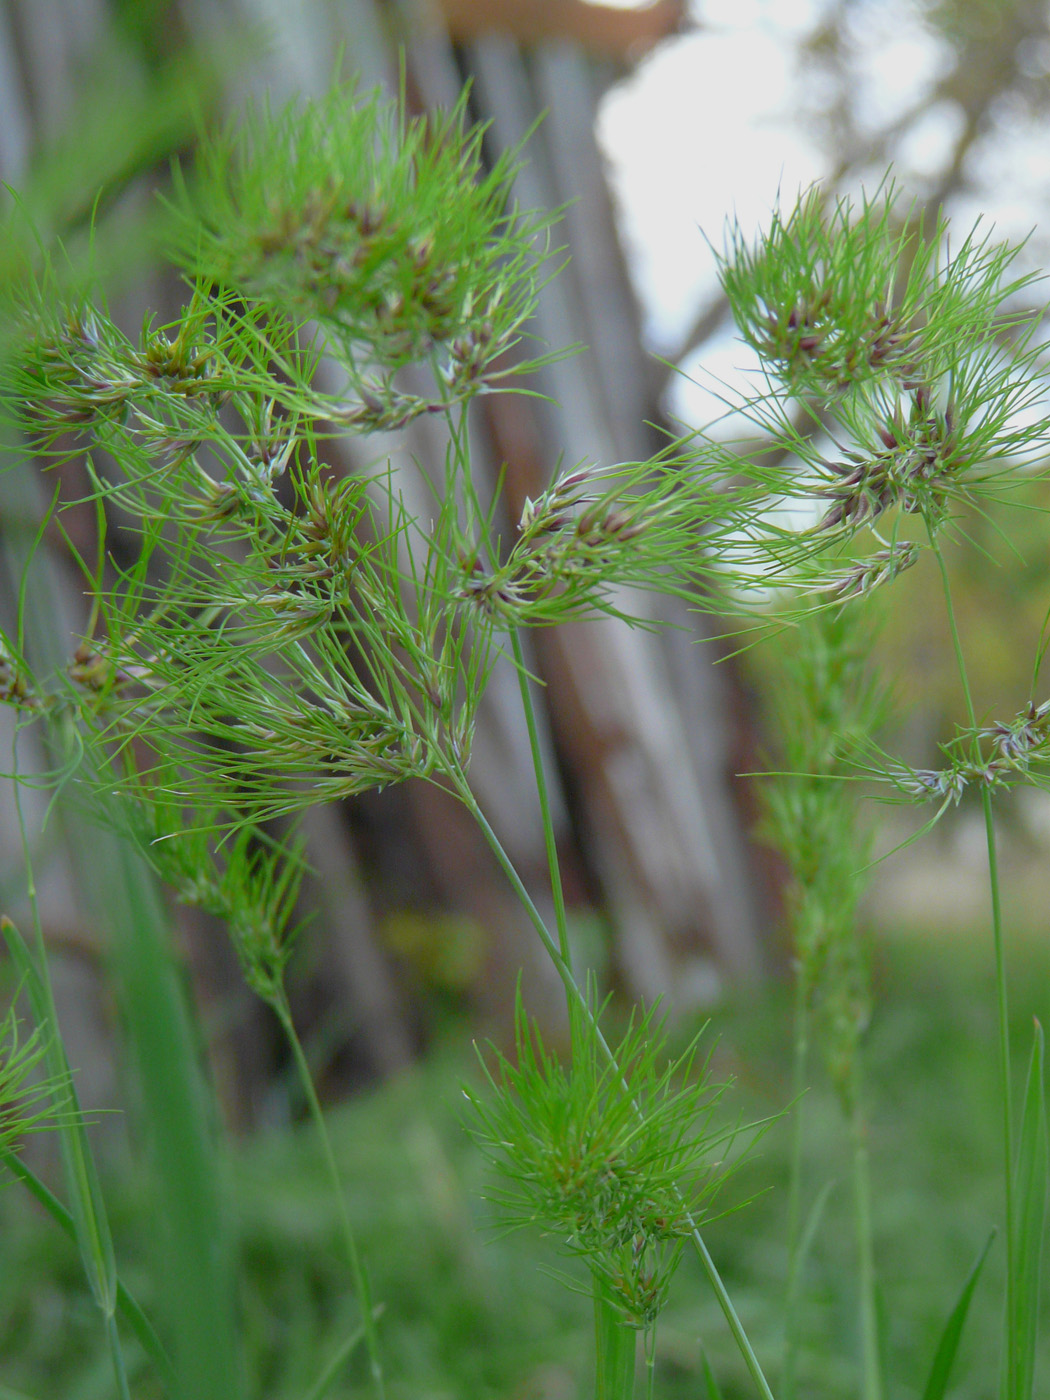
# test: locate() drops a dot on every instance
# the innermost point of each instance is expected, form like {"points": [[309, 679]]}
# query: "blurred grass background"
{"points": [[471, 1313]]}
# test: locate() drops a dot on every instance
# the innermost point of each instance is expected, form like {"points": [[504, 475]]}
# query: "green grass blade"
{"points": [[882, 1334], [127, 1305], [88, 1211], [712, 1390], [193, 1261], [812, 1225], [948, 1345], [798, 1262], [326, 1379], [1030, 1220]]}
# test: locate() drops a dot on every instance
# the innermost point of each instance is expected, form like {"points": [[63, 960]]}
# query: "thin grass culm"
{"points": [[270, 621]]}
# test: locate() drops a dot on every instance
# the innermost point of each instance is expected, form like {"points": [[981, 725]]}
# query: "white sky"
{"points": [[696, 133]]}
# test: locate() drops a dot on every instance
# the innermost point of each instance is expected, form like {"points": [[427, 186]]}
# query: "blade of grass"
{"points": [[812, 1225], [712, 1390], [1030, 1220], [800, 1061], [88, 1212], [800, 1253], [128, 1307], [326, 1379], [871, 1351], [948, 1345], [194, 1263]]}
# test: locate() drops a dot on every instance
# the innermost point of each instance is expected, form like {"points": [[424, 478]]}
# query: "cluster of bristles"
{"points": [[608, 1215], [875, 569], [808, 341], [354, 252], [15, 687], [564, 536], [910, 473], [86, 377], [1014, 747]]}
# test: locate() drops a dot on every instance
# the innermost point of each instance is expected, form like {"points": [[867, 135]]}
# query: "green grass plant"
{"points": [[272, 634]]}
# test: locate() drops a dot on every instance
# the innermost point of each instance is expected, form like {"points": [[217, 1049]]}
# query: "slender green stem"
{"points": [[1002, 1001], [869, 1318], [729, 1312], [600, 1351], [357, 1269], [1005, 1073], [562, 966], [579, 1001], [953, 627], [800, 1061], [553, 864], [563, 963], [117, 1357]]}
